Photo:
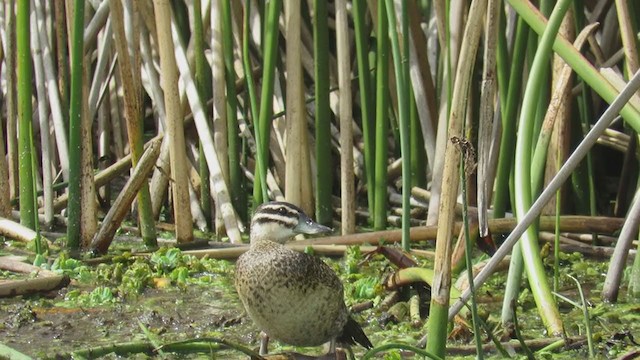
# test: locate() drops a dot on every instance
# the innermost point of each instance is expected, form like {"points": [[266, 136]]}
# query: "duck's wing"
{"points": [[322, 273], [313, 271]]}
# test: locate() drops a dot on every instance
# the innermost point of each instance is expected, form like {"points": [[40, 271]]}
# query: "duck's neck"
{"points": [[257, 238], [261, 237]]}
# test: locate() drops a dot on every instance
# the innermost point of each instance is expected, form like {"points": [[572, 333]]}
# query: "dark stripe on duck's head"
{"points": [[279, 208], [258, 220]]}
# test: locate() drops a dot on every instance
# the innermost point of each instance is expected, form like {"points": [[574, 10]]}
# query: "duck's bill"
{"points": [[308, 226]]}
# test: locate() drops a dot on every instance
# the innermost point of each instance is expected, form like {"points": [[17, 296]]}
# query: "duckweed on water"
{"points": [[129, 276]]}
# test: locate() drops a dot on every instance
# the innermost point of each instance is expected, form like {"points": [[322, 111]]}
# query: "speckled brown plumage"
{"points": [[293, 297]]}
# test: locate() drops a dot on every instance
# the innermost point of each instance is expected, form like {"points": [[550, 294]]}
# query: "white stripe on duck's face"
{"points": [[279, 221]]}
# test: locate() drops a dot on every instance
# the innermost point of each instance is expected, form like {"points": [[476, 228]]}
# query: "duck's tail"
{"points": [[352, 333]]}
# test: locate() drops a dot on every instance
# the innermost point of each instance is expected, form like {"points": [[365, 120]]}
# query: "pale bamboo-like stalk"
{"points": [[52, 91], [196, 209], [14, 230], [114, 109], [160, 178], [97, 22], [556, 126], [219, 188], [422, 83], [448, 71], [5, 198], [162, 172], [298, 171], [628, 36], [617, 81], [219, 100], [618, 261], [485, 128], [153, 87], [451, 41], [346, 131], [101, 74], [11, 99], [43, 120], [174, 123], [442, 285], [105, 138]]}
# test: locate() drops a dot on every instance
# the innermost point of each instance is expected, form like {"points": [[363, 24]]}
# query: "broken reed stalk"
{"points": [[111, 223], [438, 320]]}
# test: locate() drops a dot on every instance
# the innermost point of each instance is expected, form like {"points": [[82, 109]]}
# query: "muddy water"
{"points": [[38, 328]]}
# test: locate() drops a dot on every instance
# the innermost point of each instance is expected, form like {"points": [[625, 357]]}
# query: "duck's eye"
{"points": [[282, 211]]}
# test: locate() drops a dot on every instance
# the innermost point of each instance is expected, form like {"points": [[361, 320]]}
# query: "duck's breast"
{"points": [[293, 297]]}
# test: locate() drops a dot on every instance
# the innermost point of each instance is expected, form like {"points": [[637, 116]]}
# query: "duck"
{"points": [[291, 296]]}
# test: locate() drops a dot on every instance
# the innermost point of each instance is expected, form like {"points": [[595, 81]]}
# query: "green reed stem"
{"points": [[261, 167], [266, 96], [324, 168], [236, 179], [382, 121], [28, 214], [509, 121], [418, 152], [401, 67], [75, 127], [523, 178], [366, 97]]}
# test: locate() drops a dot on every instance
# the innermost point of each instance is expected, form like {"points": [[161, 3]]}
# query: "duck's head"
{"points": [[279, 221]]}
